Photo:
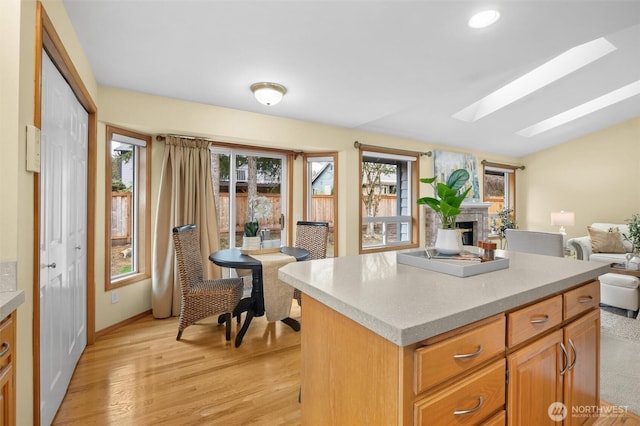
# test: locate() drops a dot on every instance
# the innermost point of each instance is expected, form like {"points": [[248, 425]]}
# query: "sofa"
{"points": [[602, 245], [605, 243]]}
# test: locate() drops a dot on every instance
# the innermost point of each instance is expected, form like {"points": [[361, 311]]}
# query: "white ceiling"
{"points": [[392, 67]]}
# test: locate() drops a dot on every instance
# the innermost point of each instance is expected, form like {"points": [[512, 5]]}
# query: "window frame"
{"points": [[306, 193], [412, 192], [286, 182], [509, 177], [142, 200]]}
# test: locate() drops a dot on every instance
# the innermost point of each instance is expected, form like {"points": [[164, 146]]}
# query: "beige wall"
{"points": [[596, 176]]}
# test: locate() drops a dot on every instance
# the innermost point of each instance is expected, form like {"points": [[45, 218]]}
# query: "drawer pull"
{"points": [[471, 410], [4, 349], [471, 355], [540, 320], [585, 299]]}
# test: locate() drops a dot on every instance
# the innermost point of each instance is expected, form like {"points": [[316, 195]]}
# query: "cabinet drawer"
{"points": [[467, 402], [443, 360], [6, 341], [527, 322], [581, 299]]}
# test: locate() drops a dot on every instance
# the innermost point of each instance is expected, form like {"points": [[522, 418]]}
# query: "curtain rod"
{"points": [[296, 153], [359, 145], [501, 165], [161, 138]]}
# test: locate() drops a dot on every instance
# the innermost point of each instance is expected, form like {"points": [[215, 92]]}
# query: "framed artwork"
{"points": [[445, 162]]}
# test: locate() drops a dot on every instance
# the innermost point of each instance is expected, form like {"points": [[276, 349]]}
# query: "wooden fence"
{"points": [[121, 216], [322, 206]]}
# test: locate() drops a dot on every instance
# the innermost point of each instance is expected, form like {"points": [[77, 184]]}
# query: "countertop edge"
{"points": [[409, 336], [10, 301]]}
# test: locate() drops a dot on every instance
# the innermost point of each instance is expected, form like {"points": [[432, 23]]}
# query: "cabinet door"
{"points": [[535, 381], [581, 387], [6, 397]]}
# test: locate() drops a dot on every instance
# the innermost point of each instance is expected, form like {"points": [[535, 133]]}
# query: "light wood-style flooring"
{"points": [[140, 375]]}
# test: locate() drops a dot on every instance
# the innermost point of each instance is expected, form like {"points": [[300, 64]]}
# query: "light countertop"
{"points": [[9, 302], [405, 304]]}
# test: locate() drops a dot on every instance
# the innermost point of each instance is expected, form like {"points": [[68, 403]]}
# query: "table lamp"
{"points": [[562, 219]]}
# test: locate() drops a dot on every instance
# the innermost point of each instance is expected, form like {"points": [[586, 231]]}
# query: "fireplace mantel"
{"points": [[475, 212]]}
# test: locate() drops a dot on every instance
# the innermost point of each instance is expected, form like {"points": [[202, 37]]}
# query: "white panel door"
{"points": [[63, 237]]}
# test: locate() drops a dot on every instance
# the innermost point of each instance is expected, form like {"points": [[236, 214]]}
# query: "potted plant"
{"points": [[634, 232], [257, 208], [450, 196]]}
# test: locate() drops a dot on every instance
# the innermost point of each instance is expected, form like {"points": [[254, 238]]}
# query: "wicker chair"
{"points": [[201, 298], [311, 236]]}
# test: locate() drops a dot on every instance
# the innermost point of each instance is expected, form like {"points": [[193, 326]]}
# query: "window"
{"points": [[499, 189], [389, 213], [254, 174], [128, 212], [321, 194]]}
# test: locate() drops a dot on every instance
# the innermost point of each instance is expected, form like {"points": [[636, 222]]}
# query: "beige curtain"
{"points": [[185, 196]]}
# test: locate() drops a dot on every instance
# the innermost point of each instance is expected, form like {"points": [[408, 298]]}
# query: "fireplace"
{"points": [[473, 218]]}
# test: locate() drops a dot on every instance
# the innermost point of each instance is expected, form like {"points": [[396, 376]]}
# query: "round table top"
{"points": [[233, 258]]}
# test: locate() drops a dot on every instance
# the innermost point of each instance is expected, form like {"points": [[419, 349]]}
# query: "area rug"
{"points": [[620, 360]]}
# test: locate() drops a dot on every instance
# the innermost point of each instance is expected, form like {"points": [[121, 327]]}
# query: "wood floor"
{"points": [[140, 375]]}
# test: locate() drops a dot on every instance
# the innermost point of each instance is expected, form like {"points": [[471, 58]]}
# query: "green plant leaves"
{"points": [[251, 229], [457, 179], [447, 205]]}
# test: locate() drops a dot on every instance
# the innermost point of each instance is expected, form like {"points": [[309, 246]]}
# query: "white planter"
{"points": [[448, 241], [251, 243]]}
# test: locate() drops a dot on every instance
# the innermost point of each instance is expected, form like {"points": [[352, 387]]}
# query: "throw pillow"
{"points": [[605, 242]]}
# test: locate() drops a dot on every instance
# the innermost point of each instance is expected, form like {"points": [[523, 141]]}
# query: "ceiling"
{"points": [[399, 68]]}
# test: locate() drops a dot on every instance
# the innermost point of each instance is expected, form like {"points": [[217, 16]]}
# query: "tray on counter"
{"points": [[460, 268]]}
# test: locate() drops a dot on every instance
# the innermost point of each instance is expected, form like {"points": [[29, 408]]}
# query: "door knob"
{"points": [[52, 265]]}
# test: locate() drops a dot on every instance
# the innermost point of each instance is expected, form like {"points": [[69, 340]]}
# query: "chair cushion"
{"points": [[619, 280], [605, 242]]}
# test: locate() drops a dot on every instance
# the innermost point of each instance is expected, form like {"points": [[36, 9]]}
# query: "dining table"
{"points": [[254, 304]]}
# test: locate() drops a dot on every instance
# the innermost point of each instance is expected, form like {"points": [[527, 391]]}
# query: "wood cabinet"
{"points": [[581, 381], [7, 368], [548, 349], [534, 381], [561, 367]]}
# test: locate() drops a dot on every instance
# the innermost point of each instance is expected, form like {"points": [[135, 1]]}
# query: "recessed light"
{"points": [[593, 105], [558, 67], [484, 19]]}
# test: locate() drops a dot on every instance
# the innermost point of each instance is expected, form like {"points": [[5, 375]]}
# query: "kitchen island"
{"points": [[387, 343]]}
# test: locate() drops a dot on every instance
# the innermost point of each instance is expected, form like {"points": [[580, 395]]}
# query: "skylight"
{"points": [[558, 67], [593, 105]]}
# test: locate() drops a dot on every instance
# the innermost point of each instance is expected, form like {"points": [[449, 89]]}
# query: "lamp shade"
{"points": [[563, 218], [268, 93]]}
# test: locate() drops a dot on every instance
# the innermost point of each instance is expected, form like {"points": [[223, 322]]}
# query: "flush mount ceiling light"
{"points": [[484, 19], [268, 93], [593, 105], [558, 67]]}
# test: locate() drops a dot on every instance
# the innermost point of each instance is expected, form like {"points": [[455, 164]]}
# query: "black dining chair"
{"points": [[201, 298]]}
